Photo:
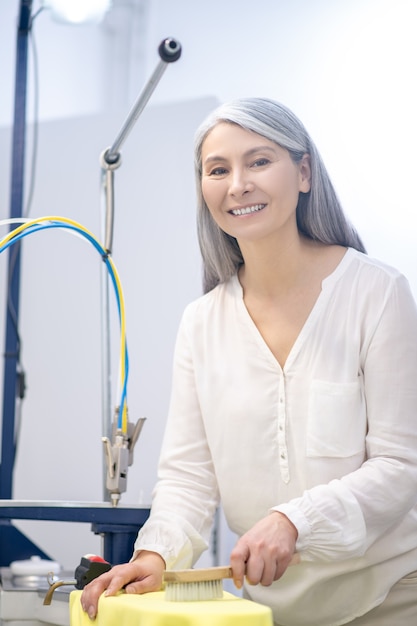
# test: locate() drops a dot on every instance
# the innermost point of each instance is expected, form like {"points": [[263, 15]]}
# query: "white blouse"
{"points": [[330, 440]]}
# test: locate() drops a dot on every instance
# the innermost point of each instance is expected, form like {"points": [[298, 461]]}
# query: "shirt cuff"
{"points": [[300, 521]]}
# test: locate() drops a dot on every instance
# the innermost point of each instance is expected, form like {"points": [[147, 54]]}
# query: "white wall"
{"points": [[346, 68], [155, 252]]}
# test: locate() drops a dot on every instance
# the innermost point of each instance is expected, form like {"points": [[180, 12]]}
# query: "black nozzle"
{"points": [[169, 50]]}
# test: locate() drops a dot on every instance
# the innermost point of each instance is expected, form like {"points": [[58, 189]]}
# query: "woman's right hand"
{"points": [[141, 575]]}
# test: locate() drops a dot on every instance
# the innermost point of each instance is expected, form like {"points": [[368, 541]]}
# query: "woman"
{"points": [[294, 393]]}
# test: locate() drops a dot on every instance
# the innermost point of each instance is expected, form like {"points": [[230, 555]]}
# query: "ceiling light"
{"points": [[78, 11]]}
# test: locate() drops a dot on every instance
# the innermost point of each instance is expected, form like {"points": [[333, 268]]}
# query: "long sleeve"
{"points": [[186, 495], [344, 517]]}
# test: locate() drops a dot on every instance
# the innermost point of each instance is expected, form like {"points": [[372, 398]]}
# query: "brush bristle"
{"points": [[192, 592]]}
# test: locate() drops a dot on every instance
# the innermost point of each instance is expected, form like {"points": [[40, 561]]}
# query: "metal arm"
{"points": [[169, 51], [118, 446]]}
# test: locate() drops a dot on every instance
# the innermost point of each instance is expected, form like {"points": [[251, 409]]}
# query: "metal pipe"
{"points": [[110, 159], [169, 51]]}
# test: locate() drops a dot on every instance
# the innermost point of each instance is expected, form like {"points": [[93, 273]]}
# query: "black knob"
{"points": [[169, 50]]}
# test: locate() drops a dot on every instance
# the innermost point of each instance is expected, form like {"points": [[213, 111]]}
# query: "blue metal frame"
{"points": [[15, 546], [11, 353], [118, 526]]}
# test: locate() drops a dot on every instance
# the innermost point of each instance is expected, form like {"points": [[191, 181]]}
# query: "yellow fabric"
{"points": [[151, 609]]}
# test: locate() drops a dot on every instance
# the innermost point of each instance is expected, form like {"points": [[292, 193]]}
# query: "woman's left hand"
{"points": [[265, 551]]}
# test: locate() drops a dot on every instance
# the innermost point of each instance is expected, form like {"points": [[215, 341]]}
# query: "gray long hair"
{"points": [[319, 212]]}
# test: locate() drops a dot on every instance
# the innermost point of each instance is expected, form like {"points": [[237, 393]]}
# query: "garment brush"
{"points": [[188, 585]]}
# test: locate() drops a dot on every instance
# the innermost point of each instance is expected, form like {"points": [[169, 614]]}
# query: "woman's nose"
{"points": [[240, 183]]}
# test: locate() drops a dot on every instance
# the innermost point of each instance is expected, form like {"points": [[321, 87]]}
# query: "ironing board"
{"points": [[151, 609]]}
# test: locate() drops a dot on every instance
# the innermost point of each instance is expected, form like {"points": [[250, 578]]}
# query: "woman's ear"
{"points": [[305, 173]]}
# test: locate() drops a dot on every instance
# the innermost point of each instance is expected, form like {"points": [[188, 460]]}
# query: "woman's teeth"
{"points": [[248, 209]]}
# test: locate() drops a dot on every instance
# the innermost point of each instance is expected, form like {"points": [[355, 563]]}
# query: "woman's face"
{"points": [[250, 184]]}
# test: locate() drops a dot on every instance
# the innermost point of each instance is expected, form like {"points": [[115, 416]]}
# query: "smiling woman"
{"points": [[293, 399]]}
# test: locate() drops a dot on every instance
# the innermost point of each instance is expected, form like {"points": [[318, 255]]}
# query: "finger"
{"points": [[90, 607], [110, 583], [269, 573], [144, 586], [282, 565], [238, 559], [255, 568], [90, 596]]}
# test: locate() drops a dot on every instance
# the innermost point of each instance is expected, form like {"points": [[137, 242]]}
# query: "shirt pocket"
{"points": [[336, 425]]}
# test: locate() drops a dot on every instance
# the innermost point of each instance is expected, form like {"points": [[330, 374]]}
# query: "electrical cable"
{"points": [[29, 226], [58, 222]]}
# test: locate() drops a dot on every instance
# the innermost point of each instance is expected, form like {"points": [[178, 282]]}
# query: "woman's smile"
{"points": [[254, 208]]}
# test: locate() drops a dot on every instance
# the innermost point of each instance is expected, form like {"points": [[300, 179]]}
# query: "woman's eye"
{"points": [[260, 162], [218, 171]]}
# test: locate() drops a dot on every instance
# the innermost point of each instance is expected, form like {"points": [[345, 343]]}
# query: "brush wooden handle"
{"points": [[209, 573], [197, 575]]}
